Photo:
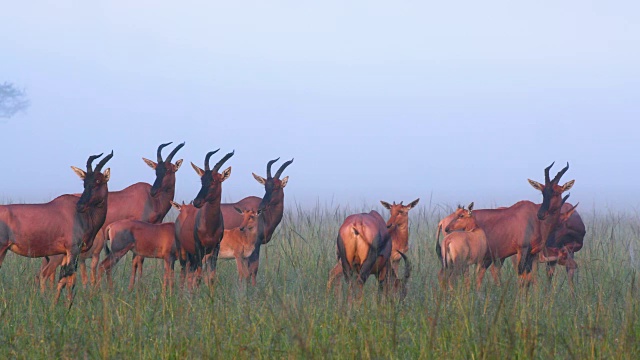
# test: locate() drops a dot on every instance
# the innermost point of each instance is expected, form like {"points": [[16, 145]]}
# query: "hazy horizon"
{"points": [[456, 102]]}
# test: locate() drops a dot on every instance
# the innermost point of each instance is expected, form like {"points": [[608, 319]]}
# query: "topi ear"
{"points": [[413, 203], [238, 209], [176, 205], [225, 174], [199, 171], [568, 185], [284, 181], [386, 205], [259, 178], [81, 174], [176, 166], [536, 185], [151, 164], [107, 174]]}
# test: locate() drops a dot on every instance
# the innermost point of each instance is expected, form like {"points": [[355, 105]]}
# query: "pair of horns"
{"points": [[100, 164], [279, 172], [170, 157], [220, 163], [558, 176]]}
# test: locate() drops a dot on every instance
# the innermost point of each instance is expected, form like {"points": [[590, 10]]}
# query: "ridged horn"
{"points": [[159, 153], [90, 161], [547, 179], [104, 161], [173, 152], [269, 167], [223, 160], [284, 166], [206, 159], [559, 175]]}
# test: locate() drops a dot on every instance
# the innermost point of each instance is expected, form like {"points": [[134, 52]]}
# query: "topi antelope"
{"points": [[66, 225], [460, 249], [145, 240], [398, 227], [199, 233], [239, 243], [271, 207], [364, 248], [521, 229], [140, 201]]}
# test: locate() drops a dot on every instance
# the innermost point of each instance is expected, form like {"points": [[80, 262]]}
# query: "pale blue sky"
{"points": [[459, 100]]}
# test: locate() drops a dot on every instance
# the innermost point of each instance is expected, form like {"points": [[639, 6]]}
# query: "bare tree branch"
{"points": [[12, 100]]}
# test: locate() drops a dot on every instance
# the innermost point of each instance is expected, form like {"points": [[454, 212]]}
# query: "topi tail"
{"points": [[107, 238]]}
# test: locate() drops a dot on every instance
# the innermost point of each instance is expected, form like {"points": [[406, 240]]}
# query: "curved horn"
{"points": [[269, 167], [546, 173], [559, 175], [564, 200], [174, 151], [223, 160], [284, 166], [90, 161], [206, 159], [573, 207], [104, 161], [160, 151]]}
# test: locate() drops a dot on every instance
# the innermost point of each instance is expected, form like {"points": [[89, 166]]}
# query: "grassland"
{"points": [[291, 315]]}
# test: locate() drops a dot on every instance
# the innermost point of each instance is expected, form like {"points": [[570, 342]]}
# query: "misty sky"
{"points": [[456, 101]]}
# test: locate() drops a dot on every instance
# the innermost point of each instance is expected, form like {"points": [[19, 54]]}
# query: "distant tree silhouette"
{"points": [[12, 100]]}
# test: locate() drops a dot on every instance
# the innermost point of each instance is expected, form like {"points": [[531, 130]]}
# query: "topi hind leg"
{"points": [[571, 266], [3, 253], [95, 260], [333, 275], [140, 260], [167, 279], [551, 269], [136, 263], [495, 270], [47, 274], [83, 272]]}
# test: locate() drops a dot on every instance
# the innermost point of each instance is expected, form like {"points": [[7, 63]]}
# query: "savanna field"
{"points": [[290, 314]]}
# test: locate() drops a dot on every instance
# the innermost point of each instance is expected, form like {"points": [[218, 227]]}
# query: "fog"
{"points": [[447, 101]]}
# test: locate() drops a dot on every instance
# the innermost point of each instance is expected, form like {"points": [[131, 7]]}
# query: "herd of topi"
{"points": [[550, 232], [75, 227]]}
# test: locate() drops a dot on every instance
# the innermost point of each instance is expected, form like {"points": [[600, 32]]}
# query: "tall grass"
{"points": [[290, 314]]}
